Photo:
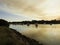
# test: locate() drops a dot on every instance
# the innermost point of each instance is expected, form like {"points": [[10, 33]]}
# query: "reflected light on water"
{"points": [[47, 34]]}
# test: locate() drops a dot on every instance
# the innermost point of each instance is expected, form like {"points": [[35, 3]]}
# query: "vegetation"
{"points": [[37, 22], [4, 23]]}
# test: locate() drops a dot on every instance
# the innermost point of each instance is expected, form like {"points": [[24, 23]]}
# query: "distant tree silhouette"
{"points": [[4, 23]]}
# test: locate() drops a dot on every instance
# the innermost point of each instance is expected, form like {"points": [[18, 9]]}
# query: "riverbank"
{"points": [[12, 37]]}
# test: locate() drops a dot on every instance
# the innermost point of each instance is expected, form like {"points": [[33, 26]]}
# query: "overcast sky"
{"points": [[18, 10]]}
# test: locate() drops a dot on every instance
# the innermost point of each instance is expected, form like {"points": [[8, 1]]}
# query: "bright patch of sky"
{"points": [[11, 17]]}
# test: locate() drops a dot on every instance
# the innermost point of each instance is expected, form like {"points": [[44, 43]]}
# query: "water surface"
{"points": [[45, 33]]}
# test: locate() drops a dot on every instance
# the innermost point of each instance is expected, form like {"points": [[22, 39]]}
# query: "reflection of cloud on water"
{"points": [[49, 35]]}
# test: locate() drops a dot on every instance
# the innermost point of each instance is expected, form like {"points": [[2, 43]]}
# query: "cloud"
{"points": [[36, 9], [27, 7], [11, 17]]}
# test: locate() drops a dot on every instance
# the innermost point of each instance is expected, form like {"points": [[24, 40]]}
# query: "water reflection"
{"points": [[36, 25], [47, 34], [28, 24], [33, 26]]}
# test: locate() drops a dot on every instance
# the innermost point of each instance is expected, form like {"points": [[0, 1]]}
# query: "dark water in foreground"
{"points": [[47, 34]]}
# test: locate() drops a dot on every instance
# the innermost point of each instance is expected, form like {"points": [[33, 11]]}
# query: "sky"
{"points": [[19, 10]]}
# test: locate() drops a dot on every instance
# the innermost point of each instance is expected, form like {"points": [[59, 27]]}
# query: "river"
{"points": [[44, 33]]}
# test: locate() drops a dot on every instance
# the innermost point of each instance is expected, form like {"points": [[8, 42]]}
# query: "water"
{"points": [[45, 33], [24, 28]]}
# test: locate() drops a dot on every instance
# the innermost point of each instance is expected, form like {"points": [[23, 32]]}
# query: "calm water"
{"points": [[22, 28], [47, 34]]}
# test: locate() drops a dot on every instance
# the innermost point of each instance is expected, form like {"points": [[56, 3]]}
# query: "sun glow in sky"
{"points": [[32, 9]]}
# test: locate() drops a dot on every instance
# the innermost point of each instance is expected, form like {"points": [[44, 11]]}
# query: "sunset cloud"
{"points": [[38, 9]]}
